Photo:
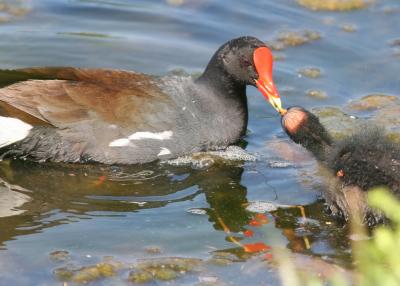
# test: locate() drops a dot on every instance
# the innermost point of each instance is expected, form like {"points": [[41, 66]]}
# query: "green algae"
{"points": [[334, 5], [373, 102], [317, 94], [297, 38], [140, 277], [143, 271], [162, 269], [375, 110], [59, 255], [88, 273], [165, 274], [388, 117], [12, 10], [311, 72], [153, 249], [339, 123], [350, 28], [220, 261], [64, 273], [221, 258], [176, 263], [292, 38]]}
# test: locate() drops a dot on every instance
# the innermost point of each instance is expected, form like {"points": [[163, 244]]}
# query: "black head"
{"points": [[240, 62], [236, 57], [304, 128]]}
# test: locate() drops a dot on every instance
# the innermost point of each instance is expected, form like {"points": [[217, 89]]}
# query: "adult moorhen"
{"points": [[112, 116], [356, 164]]}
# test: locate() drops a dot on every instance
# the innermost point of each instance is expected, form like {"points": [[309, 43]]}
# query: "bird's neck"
{"points": [[316, 139], [225, 86], [320, 150], [320, 145], [221, 82]]}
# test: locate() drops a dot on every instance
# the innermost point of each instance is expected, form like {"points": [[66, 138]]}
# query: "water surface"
{"points": [[93, 211]]}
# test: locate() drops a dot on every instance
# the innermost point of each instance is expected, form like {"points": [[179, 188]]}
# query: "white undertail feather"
{"points": [[12, 130], [141, 135], [164, 151], [165, 135], [120, 142]]}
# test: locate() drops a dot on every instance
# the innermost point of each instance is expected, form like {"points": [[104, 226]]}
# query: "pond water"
{"points": [[58, 221]]}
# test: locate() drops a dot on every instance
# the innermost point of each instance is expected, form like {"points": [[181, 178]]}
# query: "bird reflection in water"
{"points": [[85, 191]]}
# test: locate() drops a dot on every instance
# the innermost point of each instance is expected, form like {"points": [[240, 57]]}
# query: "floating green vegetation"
{"points": [[222, 258], [59, 255], [153, 249], [373, 102], [286, 39], [311, 72], [328, 112], [383, 110], [317, 94], [175, 263], [388, 117], [337, 122], [162, 269], [293, 38], [334, 5], [85, 34], [10, 10], [140, 276], [144, 271], [175, 2], [87, 274], [347, 27]]}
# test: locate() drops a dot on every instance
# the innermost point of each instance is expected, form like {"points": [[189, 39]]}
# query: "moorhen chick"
{"points": [[113, 116], [357, 163]]}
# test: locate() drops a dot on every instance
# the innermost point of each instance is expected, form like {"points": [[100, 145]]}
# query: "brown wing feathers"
{"points": [[80, 94]]}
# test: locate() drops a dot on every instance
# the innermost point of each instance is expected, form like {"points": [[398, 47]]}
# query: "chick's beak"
{"points": [[263, 60]]}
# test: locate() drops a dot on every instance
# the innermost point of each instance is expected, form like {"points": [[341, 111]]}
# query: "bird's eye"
{"points": [[245, 62]]}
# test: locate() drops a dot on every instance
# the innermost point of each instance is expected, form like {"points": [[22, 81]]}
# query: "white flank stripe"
{"points": [[12, 130], [151, 135], [164, 151], [119, 142]]}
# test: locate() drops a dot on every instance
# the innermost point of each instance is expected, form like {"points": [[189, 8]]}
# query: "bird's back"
{"points": [[367, 160]]}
